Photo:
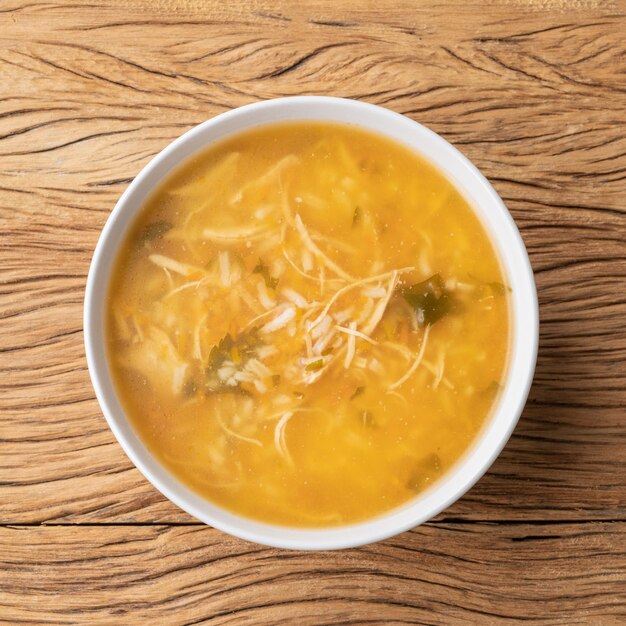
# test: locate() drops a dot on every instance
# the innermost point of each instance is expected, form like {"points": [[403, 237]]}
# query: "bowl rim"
{"points": [[493, 215]]}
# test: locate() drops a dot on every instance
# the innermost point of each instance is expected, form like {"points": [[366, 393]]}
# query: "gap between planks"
{"points": [[445, 521]]}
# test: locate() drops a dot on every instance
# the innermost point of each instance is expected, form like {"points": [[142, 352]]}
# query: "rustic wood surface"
{"points": [[533, 91]]}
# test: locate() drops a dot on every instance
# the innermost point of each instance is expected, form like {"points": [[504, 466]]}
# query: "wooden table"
{"points": [[533, 91]]}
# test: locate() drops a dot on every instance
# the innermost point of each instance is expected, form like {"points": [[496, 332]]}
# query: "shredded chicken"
{"points": [[280, 320], [232, 433], [310, 244], [351, 347], [225, 235], [266, 177], [356, 283], [415, 364], [381, 307], [279, 435], [183, 269], [356, 333]]}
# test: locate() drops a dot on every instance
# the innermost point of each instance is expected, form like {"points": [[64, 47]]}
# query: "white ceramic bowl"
{"points": [[493, 214]]}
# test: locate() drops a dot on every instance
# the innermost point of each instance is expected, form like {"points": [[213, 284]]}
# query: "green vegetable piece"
{"points": [[249, 340], [155, 230], [190, 388], [357, 392], [261, 268], [431, 300], [499, 289], [220, 388], [221, 351], [424, 472], [315, 366], [492, 389]]}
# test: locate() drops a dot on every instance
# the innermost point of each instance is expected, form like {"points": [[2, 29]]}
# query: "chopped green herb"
{"points": [[218, 388], [249, 339], [221, 351], [154, 230], [430, 299], [235, 351], [499, 289], [298, 394], [424, 472], [190, 388], [357, 392], [315, 366], [492, 389], [327, 351], [261, 268]]}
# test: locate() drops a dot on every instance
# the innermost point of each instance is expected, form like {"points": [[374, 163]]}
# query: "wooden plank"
{"points": [[531, 92], [442, 574]]}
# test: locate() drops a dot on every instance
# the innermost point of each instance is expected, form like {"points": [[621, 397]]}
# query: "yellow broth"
{"points": [[307, 324]]}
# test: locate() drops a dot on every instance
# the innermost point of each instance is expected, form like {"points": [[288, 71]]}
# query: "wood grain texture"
{"points": [[533, 91], [438, 574]]}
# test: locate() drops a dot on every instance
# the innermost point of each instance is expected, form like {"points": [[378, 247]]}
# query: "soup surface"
{"points": [[307, 324]]}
